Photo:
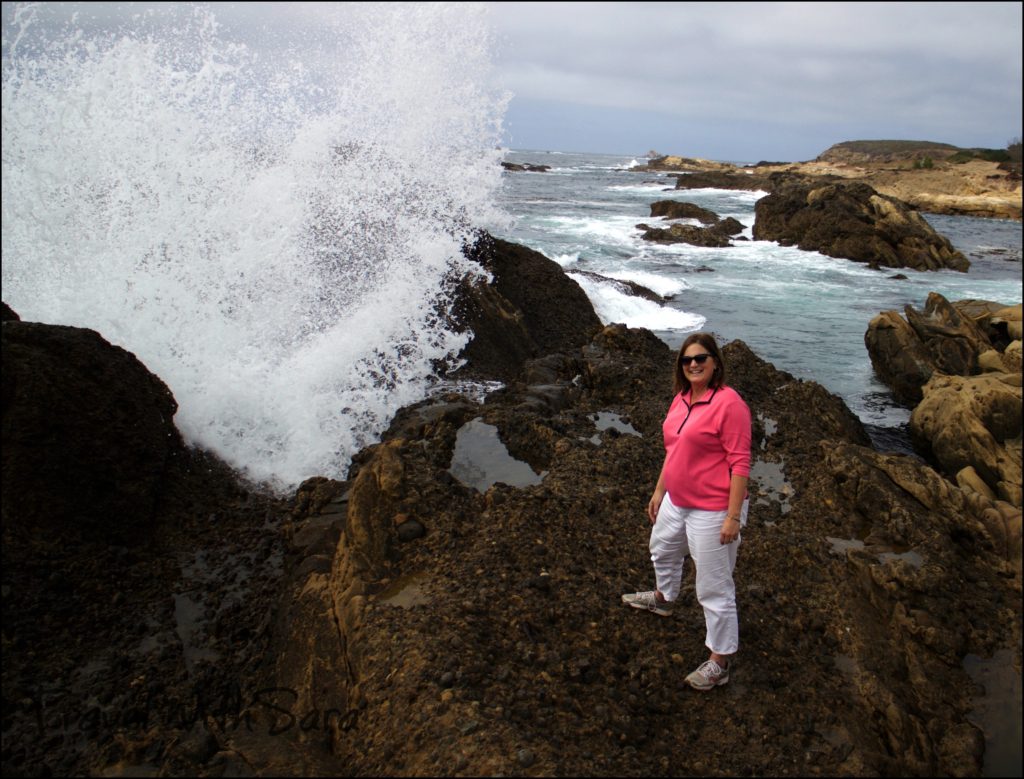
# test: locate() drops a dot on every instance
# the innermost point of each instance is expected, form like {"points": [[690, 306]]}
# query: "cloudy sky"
{"points": [[729, 81], [757, 81]]}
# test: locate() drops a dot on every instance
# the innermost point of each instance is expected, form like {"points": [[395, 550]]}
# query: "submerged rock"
{"points": [[526, 166]]}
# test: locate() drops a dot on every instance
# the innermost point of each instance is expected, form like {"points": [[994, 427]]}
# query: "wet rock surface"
{"points": [[530, 308], [854, 222], [716, 231], [138, 575], [960, 364], [403, 622]]}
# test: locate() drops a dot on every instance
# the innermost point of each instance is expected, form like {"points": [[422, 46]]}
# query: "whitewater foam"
{"points": [[612, 305], [272, 232]]}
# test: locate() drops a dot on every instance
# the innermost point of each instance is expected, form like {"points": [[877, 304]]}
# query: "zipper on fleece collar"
{"points": [[689, 408]]}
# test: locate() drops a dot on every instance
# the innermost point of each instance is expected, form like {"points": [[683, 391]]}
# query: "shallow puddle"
{"points": [[913, 558], [840, 545], [997, 711], [847, 665], [188, 615], [769, 425], [480, 459], [406, 591], [606, 420], [772, 481]]}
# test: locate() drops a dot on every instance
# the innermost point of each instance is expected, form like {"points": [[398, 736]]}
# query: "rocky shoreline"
{"points": [[415, 619], [932, 178]]}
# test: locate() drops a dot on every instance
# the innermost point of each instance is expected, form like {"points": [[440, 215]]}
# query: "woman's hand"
{"points": [[737, 503], [654, 505], [730, 529]]}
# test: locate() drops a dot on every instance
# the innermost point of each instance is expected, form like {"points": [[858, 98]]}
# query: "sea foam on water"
{"points": [[270, 225]]}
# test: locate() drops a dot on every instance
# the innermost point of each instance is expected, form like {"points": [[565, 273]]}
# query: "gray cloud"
{"points": [[724, 80], [789, 72]]}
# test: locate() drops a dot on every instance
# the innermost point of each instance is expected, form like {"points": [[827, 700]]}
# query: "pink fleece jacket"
{"points": [[704, 444]]}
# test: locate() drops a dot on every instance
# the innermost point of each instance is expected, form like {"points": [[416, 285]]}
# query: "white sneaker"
{"points": [[649, 602], [709, 674]]}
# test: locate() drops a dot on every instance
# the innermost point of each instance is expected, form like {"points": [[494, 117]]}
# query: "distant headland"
{"points": [[933, 177]]}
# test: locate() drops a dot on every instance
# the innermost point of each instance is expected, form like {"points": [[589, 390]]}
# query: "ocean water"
{"points": [[802, 311], [269, 224]]}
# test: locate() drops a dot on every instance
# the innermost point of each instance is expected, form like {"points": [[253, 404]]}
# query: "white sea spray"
{"points": [[271, 226]]}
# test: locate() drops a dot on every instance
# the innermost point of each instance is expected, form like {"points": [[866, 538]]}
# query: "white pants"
{"points": [[682, 532]]}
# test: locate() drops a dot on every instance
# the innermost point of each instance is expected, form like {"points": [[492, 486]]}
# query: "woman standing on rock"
{"points": [[701, 502]]}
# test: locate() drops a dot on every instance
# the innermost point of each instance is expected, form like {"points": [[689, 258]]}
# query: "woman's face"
{"points": [[698, 373]]}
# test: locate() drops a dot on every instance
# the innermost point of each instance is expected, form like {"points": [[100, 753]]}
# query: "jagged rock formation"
{"points": [[691, 234], [961, 364], [675, 209], [743, 180], [959, 339], [971, 426], [853, 221], [499, 677]]}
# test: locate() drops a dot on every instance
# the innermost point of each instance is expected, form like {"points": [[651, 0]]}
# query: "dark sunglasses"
{"points": [[700, 359]]}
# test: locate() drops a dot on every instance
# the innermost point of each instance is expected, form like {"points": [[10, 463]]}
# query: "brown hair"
{"points": [[682, 384]]}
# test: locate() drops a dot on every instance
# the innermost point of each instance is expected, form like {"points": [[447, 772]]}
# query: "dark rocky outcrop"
{"points": [[526, 166], [715, 236], [691, 234], [675, 209], [138, 574], [853, 221], [88, 433], [715, 233], [7, 314], [531, 308], [724, 180]]}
